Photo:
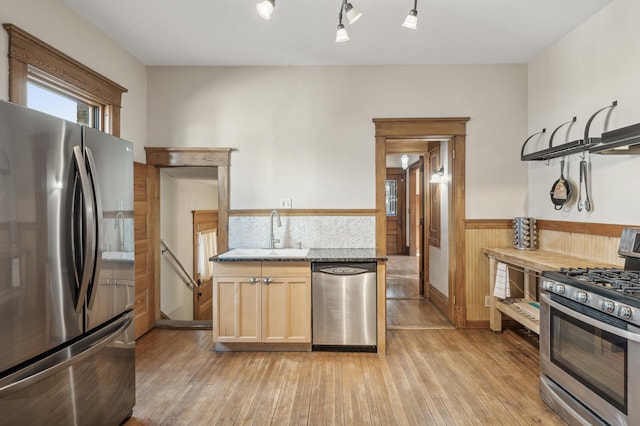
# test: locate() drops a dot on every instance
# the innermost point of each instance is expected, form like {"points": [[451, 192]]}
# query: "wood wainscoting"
{"points": [[593, 241]]}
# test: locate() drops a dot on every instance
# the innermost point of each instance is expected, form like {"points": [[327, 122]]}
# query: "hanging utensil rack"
{"points": [[573, 147]]}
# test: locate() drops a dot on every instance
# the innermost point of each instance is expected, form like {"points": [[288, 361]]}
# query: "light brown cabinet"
{"points": [[262, 302]]}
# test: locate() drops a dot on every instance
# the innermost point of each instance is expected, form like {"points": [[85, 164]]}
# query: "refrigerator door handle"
{"points": [[89, 235], [63, 359], [99, 221]]}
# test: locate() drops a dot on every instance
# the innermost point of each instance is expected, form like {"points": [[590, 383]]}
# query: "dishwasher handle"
{"points": [[344, 268]]}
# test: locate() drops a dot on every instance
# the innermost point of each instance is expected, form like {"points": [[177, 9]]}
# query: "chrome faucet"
{"points": [[273, 241], [119, 226]]}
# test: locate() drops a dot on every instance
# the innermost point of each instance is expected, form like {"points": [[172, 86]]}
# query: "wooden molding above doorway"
{"points": [[399, 134], [200, 157]]}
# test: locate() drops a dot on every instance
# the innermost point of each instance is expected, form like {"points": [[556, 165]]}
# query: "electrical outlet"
{"points": [[286, 203], [487, 301]]}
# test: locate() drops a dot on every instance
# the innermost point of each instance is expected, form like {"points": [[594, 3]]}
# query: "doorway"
{"points": [[397, 135], [183, 191], [165, 158], [396, 202]]}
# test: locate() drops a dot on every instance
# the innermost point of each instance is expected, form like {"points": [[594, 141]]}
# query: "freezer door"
{"points": [[39, 285], [91, 382], [110, 167]]}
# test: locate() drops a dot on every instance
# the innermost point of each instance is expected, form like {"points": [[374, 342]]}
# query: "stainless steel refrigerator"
{"points": [[66, 272]]}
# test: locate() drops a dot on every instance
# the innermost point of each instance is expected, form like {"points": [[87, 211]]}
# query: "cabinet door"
{"points": [[238, 312], [286, 310]]}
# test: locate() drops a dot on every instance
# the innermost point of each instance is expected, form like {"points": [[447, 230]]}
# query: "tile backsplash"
{"points": [[307, 231]]}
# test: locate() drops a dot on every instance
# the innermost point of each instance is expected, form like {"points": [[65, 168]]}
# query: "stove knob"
{"points": [[607, 306], [582, 296], [547, 285], [559, 288], [625, 312]]}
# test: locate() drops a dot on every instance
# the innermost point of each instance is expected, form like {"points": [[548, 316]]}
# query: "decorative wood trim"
{"points": [[433, 189], [191, 157], [381, 211], [439, 300], [478, 324], [305, 212], [224, 192], [427, 128], [602, 229], [154, 237], [392, 130], [402, 146], [51, 65], [201, 157], [488, 223], [457, 236], [382, 306]]}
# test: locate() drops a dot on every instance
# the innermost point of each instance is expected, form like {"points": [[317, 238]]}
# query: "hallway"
{"points": [[406, 309]]}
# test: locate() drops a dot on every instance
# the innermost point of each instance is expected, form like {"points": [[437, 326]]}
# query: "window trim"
{"points": [[30, 57]]}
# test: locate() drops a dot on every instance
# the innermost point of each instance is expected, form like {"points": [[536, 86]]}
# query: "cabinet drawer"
{"points": [[236, 269], [286, 269]]}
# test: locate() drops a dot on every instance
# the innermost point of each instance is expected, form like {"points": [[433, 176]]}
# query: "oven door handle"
{"points": [[588, 320]]}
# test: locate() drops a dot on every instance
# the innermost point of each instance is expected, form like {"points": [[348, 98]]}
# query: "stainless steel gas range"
{"points": [[590, 340]]}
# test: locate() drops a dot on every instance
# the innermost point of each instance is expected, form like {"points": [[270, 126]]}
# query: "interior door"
{"points": [[145, 192], [203, 220], [395, 205]]}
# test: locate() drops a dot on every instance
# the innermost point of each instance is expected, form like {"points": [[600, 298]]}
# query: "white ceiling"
{"points": [[302, 32]]}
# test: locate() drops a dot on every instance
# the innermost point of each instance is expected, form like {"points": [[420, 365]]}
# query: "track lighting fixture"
{"points": [[341, 33], [265, 8], [353, 14], [411, 21]]}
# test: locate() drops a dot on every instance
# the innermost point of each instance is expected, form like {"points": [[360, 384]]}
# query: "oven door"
{"points": [[591, 356]]}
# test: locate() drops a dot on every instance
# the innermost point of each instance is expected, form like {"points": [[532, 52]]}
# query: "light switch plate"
{"points": [[286, 203]]}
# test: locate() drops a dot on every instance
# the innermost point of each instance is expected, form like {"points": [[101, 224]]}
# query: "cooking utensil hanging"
{"points": [[586, 203], [561, 190]]}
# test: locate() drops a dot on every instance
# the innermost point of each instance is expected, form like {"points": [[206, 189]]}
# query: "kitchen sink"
{"points": [[264, 253]]}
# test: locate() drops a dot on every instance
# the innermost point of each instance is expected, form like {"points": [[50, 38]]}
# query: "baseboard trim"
{"points": [[262, 347], [440, 301], [184, 325]]}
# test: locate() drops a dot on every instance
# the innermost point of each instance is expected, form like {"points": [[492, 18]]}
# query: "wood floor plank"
{"points": [[430, 377]]}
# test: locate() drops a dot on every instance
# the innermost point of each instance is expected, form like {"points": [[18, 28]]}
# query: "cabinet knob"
{"points": [[267, 280], [254, 280]]}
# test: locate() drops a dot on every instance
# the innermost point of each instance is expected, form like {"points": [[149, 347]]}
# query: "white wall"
{"points": [[54, 23], [597, 63], [306, 132], [439, 256], [178, 197]]}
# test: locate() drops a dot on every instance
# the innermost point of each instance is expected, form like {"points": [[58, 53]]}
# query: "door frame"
{"points": [[406, 135], [165, 157]]}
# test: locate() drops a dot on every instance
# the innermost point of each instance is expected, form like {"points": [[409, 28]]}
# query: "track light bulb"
{"points": [[411, 21], [353, 14], [265, 8], [341, 34]]}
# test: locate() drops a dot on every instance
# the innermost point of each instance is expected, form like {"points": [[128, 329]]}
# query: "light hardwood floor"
{"points": [[406, 309], [428, 377]]}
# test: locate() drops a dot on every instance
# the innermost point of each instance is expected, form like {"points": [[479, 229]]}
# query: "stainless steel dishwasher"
{"points": [[344, 312]]}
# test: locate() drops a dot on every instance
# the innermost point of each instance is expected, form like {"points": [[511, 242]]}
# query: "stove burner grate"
{"points": [[615, 279]]}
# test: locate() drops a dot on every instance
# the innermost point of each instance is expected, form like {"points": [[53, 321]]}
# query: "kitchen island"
{"points": [[262, 298]]}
